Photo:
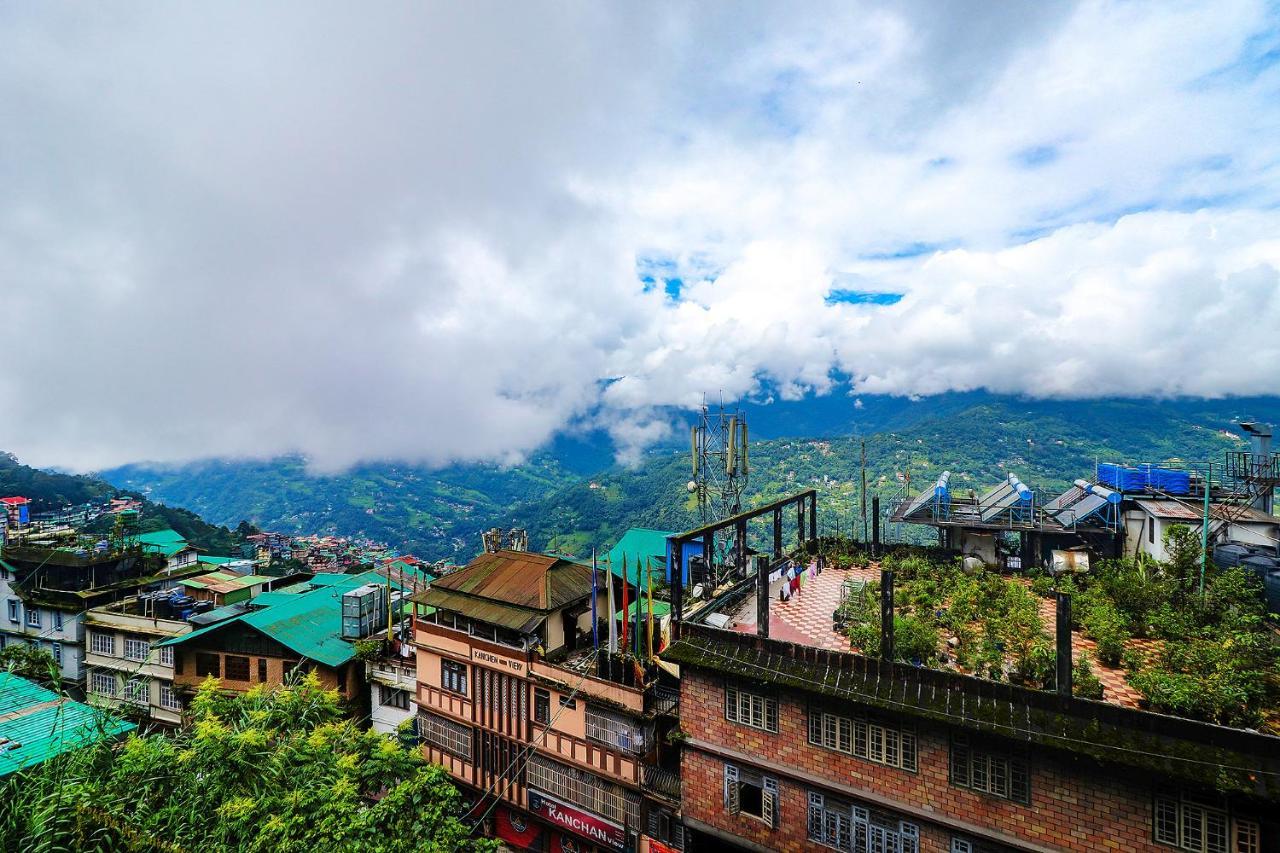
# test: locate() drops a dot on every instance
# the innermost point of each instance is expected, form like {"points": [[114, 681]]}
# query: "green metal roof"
{"points": [[217, 561], [167, 542], [309, 623], [37, 724], [660, 608], [638, 545]]}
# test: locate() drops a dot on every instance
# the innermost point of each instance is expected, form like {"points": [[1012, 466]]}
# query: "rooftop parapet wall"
{"points": [[1230, 760]]}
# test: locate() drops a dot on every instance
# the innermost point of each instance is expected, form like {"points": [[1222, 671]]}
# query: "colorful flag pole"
{"points": [[595, 624], [648, 571], [613, 610], [625, 621], [639, 607]]}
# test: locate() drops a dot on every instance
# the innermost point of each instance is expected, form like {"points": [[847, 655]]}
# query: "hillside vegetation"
{"points": [[439, 514]]}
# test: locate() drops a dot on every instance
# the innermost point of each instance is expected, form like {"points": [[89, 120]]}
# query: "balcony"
{"points": [[665, 783], [662, 701]]}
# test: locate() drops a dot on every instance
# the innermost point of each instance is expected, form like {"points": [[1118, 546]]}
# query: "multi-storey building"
{"points": [[123, 667], [794, 742], [45, 593], [560, 744]]}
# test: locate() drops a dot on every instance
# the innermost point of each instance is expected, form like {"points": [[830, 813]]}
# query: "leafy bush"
{"points": [[1104, 624], [1221, 679], [1083, 682], [1041, 664]]}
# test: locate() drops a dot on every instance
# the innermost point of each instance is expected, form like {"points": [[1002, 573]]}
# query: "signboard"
{"points": [[577, 821], [491, 659]]}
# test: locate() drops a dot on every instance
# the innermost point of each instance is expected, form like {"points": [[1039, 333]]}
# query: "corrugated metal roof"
{"points": [[638, 545], [1185, 512], [167, 542], [521, 579], [521, 619], [309, 623], [36, 724]]}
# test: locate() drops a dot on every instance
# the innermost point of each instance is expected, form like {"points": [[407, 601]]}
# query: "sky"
{"points": [[440, 232]]}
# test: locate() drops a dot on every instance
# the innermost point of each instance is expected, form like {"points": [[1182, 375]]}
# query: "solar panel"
{"points": [[1064, 500], [1080, 510], [923, 498]]}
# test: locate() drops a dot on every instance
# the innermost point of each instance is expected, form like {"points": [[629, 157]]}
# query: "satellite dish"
{"points": [[693, 485]]}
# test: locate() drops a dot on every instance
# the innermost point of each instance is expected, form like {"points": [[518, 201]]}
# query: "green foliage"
{"points": [[268, 771], [368, 649], [1106, 626], [1083, 681], [32, 663]]}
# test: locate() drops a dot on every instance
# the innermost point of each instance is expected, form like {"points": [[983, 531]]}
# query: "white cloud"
{"points": [[414, 234]]}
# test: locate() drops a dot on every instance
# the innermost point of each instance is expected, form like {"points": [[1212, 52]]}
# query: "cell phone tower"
{"points": [[718, 452]]}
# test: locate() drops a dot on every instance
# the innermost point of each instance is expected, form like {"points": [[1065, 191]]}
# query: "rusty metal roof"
{"points": [[519, 619], [520, 579], [1185, 512]]}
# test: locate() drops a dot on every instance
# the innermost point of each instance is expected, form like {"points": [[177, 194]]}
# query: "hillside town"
{"points": [[1086, 670]]}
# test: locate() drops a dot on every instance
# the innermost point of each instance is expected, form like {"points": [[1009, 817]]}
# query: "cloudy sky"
{"points": [[444, 232]]}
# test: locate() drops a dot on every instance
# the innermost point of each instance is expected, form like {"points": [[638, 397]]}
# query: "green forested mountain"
{"points": [[439, 514], [51, 490]]}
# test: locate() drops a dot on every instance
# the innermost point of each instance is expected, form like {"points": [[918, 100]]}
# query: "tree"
{"points": [[32, 663], [272, 770]]}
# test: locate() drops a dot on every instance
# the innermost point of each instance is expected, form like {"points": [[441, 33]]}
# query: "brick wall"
{"points": [[1074, 804]]}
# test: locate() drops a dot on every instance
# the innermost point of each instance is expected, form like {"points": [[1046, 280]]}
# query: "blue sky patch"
{"points": [[862, 297], [1037, 156]]}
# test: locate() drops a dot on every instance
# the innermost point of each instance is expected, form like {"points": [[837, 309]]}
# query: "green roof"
{"points": [[167, 542], [217, 561], [640, 544], [37, 724], [660, 608], [309, 623]]}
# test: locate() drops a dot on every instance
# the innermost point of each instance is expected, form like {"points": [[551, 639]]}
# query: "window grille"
{"points": [[137, 691], [541, 706], [393, 697], [454, 738], [453, 676], [861, 737], [169, 697], [103, 683], [1196, 825], [750, 709], [237, 668], [102, 644], [993, 773], [614, 730], [585, 789], [135, 649]]}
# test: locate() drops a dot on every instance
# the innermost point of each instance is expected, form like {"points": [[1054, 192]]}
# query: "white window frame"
{"points": [[864, 738], [137, 691], [100, 679], [14, 615], [102, 643], [33, 616], [136, 649], [165, 657], [169, 698], [1192, 824], [750, 709]]}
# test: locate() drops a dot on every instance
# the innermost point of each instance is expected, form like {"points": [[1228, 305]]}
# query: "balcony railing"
{"points": [[664, 782], [663, 701]]}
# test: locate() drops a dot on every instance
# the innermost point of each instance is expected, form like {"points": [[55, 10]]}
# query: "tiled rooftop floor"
{"points": [[805, 619]]}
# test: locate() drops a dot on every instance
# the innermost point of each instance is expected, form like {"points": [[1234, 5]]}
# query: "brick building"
{"points": [[558, 744], [792, 747]]}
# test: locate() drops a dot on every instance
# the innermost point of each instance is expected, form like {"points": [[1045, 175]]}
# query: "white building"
{"points": [[392, 684], [1148, 520], [122, 667]]}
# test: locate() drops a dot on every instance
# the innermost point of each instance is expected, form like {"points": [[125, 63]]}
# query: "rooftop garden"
{"points": [[1207, 655]]}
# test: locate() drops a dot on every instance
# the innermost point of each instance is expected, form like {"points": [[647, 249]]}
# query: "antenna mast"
{"points": [[719, 457]]}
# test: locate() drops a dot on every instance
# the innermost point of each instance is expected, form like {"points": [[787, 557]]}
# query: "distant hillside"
{"points": [[50, 490], [440, 513]]}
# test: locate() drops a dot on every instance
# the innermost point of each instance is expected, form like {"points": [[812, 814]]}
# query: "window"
{"points": [[169, 697], [102, 644], [1202, 825], [615, 730], [864, 738], [838, 824], [137, 691], [1151, 531], [969, 845], [56, 650], [166, 655], [993, 773], [393, 697], [453, 676], [541, 706], [33, 617], [750, 793], [566, 702], [208, 664], [663, 826], [262, 669], [57, 620], [454, 738], [750, 709], [237, 668], [102, 683], [584, 789], [136, 649], [13, 610]]}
